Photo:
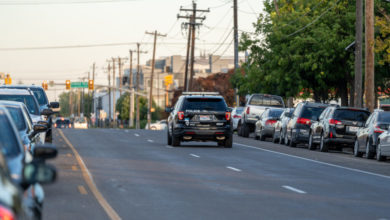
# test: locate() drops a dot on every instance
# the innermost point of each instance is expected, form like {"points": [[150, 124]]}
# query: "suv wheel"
{"points": [[239, 129], [286, 141], [369, 153], [262, 137], [323, 144], [356, 151], [228, 143], [175, 141], [311, 145], [281, 137], [245, 130], [169, 138], [379, 156], [274, 139]]}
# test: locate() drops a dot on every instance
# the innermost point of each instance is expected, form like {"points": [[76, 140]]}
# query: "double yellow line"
{"points": [[91, 184]]}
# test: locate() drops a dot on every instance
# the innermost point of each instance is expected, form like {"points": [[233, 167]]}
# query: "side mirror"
{"points": [[39, 128], [39, 173], [43, 123], [54, 105], [47, 112], [168, 109], [45, 152]]}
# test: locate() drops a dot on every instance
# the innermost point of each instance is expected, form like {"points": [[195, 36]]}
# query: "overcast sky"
{"points": [[47, 23]]}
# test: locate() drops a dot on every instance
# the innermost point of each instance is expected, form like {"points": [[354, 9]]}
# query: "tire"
{"points": [[379, 156], [291, 142], [286, 141], [256, 136], [169, 138], [281, 137], [369, 153], [274, 139], [245, 130], [356, 151], [175, 141], [262, 138], [323, 145], [239, 130], [311, 145], [220, 143], [228, 143]]}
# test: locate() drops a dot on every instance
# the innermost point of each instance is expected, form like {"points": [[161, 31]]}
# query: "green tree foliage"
{"points": [[301, 51], [64, 104]]}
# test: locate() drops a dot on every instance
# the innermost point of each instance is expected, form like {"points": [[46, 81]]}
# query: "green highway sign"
{"points": [[79, 84]]}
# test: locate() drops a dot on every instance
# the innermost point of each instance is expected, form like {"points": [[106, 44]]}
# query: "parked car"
{"points": [[43, 102], [63, 123], [281, 126], [265, 126], [80, 123], [200, 117], [23, 122], [236, 116], [255, 106], [367, 136], [158, 125], [298, 127], [383, 148], [336, 127], [18, 160]]}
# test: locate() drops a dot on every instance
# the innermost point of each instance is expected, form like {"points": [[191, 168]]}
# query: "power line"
{"points": [[64, 3], [223, 42]]}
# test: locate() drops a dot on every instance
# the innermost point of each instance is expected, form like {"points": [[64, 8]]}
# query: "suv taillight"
{"points": [[334, 122], [227, 116], [270, 122], [247, 110], [6, 213], [304, 121], [236, 116], [180, 115], [377, 129]]}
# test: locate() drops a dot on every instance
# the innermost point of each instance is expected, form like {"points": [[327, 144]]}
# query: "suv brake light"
{"points": [[236, 116], [270, 122], [180, 115], [227, 116], [247, 110], [334, 122], [6, 214], [377, 129], [304, 121]]}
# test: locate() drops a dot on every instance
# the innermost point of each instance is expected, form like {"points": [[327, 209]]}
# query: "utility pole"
{"points": [[138, 81], [152, 74], [93, 94], [236, 45], [369, 67], [191, 33], [114, 100], [187, 57], [131, 87], [109, 93], [70, 103], [358, 92]]}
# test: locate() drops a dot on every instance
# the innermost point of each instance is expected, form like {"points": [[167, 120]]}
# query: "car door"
{"points": [[363, 132], [316, 126], [293, 119]]}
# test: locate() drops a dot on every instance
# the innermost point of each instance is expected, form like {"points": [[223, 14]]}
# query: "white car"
{"points": [[236, 115], [158, 125], [80, 123]]}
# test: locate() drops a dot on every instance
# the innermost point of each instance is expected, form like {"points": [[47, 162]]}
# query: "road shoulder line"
{"points": [[316, 161], [91, 184]]}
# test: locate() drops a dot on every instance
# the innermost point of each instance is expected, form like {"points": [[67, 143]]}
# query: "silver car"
{"points": [[265, 126], [383, 148], [281, 125], [236, 115]]}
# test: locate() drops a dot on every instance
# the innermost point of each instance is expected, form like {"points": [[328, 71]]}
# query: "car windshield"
{"points": [[384, 117], [351, 115], [312, 112], [40, 96], [28, 100], [275, 113], [271, 101], [17, 115], [208, 104], [239, 110], [8, 141]]}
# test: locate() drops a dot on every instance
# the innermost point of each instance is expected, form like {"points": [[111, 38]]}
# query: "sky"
{"points": [[35, 24]]}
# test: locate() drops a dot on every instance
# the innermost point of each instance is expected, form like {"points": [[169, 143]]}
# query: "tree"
{"points": [[64, 104]]}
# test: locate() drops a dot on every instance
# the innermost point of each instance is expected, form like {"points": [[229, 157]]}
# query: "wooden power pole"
{"points": [[152, 74], [358, 92], [131, 87], [369, 67], [235, 25], [138, 81], [109, 93]]}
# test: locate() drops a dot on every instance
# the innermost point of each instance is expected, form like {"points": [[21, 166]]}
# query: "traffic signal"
{"points": [[67, 84], [8, 80], [45, 86], [90, 84]]}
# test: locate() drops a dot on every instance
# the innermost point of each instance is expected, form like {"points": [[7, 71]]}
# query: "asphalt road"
{"points": [[133, 174]]}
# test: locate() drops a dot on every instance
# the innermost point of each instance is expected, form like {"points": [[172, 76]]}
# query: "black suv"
{"points": [[299, 125], [337, 125], [200, 116]]}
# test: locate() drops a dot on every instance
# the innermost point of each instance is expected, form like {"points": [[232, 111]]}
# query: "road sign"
{"points": [[79, 84], [168, 79]]}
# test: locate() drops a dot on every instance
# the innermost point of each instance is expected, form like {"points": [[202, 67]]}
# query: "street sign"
{"points": [[79, 84], [168, 80]]}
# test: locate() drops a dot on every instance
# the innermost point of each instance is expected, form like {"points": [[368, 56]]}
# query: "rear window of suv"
{"points": [[271, 101], [384, 117], [204, 104], [312, 112], [351, 115]]}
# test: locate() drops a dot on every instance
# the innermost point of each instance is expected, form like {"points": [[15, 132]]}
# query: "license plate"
{"points": [[352, 129], [204, 117]]}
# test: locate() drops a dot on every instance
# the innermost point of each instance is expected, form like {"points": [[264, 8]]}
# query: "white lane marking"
{"points": [[127, 131], [167, 146], [151, 141], [137, 135], [294, 189], [194, 155], [315, 161], [234, 169]]}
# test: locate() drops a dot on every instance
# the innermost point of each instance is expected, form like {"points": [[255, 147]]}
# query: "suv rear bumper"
{"points": [[300, 135], [346, 141], [196, 134]]}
